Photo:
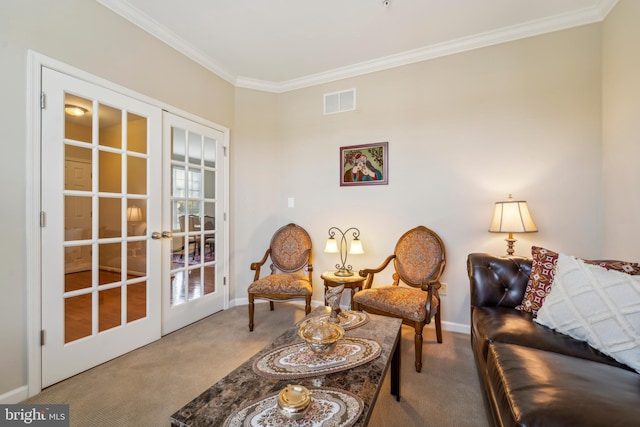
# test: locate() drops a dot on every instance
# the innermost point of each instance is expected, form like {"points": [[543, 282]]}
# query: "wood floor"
{"points": [[185, 286]]}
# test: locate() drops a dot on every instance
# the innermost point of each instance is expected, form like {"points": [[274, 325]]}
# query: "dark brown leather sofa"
{"points": [[532, 375]]}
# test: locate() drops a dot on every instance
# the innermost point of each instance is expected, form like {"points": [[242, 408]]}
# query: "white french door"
{"points": [[101, 197], [133, 231], [194, 213]]}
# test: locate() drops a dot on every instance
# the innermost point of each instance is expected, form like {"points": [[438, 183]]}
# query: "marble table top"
{"points": [[243, 385]]}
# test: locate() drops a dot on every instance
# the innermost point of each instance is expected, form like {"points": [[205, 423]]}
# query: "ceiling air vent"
{"points": [[338, 102]]}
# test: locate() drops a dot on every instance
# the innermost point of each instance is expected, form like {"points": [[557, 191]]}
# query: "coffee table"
{"points": [[243, 385]]}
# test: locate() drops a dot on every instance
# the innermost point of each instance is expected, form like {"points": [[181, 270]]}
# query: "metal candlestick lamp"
{"points": [[333, 247]]}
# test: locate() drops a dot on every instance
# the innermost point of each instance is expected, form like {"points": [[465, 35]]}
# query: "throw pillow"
{"points": [[596, 305], [540, 280], [543, 271]]}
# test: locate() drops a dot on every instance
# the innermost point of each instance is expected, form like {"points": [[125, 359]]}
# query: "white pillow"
{"points": [[599, 306]]}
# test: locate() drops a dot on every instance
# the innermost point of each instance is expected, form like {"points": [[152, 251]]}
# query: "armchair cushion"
{"points": [[285, 284], [408, 303]]}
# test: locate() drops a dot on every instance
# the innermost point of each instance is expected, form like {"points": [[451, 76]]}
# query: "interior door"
{"points": [[194, 211], [101, 194]]}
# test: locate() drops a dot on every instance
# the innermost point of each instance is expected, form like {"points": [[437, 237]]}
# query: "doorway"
{"points": [[110, 229]]}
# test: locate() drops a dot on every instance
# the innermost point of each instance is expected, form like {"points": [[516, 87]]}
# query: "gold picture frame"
{"points": [[365, 164]]}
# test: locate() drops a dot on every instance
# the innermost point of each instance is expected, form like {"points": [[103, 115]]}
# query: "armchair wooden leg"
{"points": [[271, 305], [438, 327], [418, 339], [251, 308], [307, 304]]}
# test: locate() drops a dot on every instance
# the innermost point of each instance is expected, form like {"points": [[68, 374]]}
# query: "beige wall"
{"points": [[255, 183], [463, 132], [621, 143], [88, 36]]}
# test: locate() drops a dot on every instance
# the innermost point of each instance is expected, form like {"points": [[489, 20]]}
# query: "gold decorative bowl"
{"points": [[320, 335], [293, 401]]}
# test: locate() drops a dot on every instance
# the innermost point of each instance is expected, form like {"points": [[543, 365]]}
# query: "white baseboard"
{"points": [[460, 328], [14, 396], [447, 326]]}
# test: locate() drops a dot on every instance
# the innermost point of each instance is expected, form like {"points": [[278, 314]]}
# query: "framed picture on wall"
{"points": [[364, 164]]}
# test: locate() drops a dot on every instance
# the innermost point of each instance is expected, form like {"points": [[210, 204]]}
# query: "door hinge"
{"points": [[224, 149], [42, 337], [42, 219], [42, 98], [224, 281], [224, 216]]}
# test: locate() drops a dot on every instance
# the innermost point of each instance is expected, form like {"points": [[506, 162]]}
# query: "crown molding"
{"points": [[585, 16], [533, 28], [604, 7], [157, 30]]}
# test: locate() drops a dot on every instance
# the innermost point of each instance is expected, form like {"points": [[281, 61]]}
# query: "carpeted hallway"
{"points": [[144, 387]]}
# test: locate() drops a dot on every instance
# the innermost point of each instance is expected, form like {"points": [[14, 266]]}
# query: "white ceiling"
{"points": [[280, 45]]}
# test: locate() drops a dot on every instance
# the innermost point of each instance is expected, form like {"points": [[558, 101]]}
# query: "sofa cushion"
{"points": [[532, 387], [592, 304], [506, 325], [543, 270]]}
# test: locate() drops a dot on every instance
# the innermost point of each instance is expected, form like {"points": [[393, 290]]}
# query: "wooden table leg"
{"points": [[395, 369]]}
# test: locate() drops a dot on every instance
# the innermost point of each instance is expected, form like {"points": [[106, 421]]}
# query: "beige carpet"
{"points": [[144, 387]]}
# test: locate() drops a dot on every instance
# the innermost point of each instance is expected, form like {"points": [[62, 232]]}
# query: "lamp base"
{"points": [[510, 242], [343, 273]]}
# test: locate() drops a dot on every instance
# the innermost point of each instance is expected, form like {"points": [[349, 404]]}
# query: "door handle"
{"points": [[164, 235]]}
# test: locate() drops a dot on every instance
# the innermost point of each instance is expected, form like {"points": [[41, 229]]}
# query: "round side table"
{"points": [[354, 283]]}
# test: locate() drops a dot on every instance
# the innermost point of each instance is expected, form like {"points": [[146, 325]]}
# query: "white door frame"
{"points": [[35, 63]]}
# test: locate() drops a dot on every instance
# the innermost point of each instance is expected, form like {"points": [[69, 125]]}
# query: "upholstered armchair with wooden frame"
{"points": [[291, 267], [419, 259]]}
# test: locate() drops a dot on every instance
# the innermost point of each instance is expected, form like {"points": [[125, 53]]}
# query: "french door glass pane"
{"points": [[195, 284], [136, 219], [178, 144], [78, 272], [110, 126], [209, 272], [210, 184], [110, 167], [136, 175], [136, 301], [76, 310], [110, 263], [136, 133], [109, 308], [109, 219], [209, 152], [195, 149], [77, 175], [78, 125]]}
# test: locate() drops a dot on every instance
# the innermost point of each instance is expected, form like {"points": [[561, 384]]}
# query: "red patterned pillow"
{"points": [[631, 268], [543, 269]]}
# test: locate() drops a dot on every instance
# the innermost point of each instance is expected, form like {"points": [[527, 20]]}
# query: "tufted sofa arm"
{"points": [[497, 281]]}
